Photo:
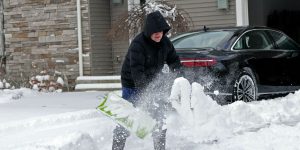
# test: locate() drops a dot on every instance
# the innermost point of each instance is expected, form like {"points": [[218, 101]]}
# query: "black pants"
{"points": [[120, 135]]}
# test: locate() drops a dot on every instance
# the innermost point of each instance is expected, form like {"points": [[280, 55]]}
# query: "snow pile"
{"points": [[201, 120], [8, 95], [50, 120], [67, 141], [80, 141]]}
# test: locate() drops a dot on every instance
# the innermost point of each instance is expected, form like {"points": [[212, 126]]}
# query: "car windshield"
{"points": [[211, 39]]}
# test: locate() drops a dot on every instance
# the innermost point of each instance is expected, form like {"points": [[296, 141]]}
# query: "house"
{"points": [[70, 36]]}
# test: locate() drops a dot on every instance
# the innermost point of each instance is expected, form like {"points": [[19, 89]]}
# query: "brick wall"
{"points": [[43, 34]]}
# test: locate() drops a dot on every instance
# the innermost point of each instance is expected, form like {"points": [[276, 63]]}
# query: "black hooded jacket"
{"points": [[145, 58]]}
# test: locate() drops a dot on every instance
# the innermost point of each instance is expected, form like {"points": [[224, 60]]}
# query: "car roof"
{"points": [[236, 29]]}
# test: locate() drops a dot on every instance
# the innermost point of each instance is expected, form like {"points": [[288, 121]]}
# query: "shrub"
{"points": [[46, 83]]}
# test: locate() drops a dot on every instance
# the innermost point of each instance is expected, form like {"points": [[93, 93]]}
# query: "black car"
{"points": [[240, 63]]}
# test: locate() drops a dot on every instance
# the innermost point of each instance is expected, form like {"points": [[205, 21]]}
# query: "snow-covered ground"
{"points": [[68, 121]]}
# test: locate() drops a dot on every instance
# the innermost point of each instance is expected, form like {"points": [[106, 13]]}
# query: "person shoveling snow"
{"points": [[149, 54], [150, 113]]}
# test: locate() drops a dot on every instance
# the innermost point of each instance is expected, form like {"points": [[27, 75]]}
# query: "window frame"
{"points": [[283, 34], [219, 46], [251, 30]]}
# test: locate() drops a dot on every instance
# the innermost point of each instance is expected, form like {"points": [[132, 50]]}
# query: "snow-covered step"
{"points": [[98, 79], [98, 87], [99, 83]]}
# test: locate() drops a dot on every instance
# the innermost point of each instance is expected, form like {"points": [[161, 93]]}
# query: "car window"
{"points": [[283, 41], [256, 39], [210, 39]]}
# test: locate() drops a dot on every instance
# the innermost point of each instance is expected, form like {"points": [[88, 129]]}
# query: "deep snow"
{"points": [[65, 121]]}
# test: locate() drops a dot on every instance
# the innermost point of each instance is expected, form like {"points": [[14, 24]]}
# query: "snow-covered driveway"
{"points": [[68, 121], [52, 121]]}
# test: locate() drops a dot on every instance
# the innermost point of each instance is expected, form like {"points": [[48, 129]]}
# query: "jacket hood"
{"points": [[155, 22]]}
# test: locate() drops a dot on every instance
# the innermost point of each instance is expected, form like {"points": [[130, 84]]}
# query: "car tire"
{"points": [[245, 86]]}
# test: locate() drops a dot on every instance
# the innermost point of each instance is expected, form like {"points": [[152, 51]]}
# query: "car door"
{"points": [[260, 54], [284, 43]]}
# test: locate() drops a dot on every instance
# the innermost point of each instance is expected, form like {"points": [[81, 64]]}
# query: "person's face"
{"points": [[157, 36]]}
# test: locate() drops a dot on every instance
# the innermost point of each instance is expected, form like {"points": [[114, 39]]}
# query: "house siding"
{"points": [[205, 12], [42, 35], [119, 46], [1, 34], [101, 53]]}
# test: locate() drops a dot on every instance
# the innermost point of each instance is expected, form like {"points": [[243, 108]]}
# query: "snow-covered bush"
{"points": [[133, 20], [43, 81], [37, 77], [5, 85], [46, 83]]}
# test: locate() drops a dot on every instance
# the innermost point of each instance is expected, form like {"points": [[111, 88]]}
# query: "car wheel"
{"points": [[245, 87]]}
